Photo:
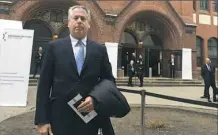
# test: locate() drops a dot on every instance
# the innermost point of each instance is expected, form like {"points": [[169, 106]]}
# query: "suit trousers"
{"points": [[207, 87], [172, 71]]}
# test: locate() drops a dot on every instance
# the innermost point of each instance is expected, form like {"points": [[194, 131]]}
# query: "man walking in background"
{"points": [[172, 65], [140, 69], [208, 74]]}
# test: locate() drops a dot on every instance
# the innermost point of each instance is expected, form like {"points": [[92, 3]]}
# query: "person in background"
{"points": [[140, 69], [208, 74], [172, 65], [131, 72], [38, 60]]}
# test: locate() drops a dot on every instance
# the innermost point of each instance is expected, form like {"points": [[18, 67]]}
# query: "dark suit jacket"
{"points": [[130, 72], [59, 77], [38, 58], [208, 76], [140, 66], [170, 62]]}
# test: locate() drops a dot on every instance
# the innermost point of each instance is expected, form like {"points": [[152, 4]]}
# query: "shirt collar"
{"points": [[74, 40]]}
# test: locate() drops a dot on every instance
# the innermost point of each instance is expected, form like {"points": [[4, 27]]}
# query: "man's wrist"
{"points": [[95, 103]]}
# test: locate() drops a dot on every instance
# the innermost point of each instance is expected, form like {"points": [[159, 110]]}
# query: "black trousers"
{"points": [[38, 66], [141, 76], [207, 92], [172, 71], [130, 81]]}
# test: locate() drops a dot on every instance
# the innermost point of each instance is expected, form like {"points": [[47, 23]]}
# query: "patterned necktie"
{"points": [[80, 56]]}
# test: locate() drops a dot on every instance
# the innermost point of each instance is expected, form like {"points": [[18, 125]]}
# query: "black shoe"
{"points": [[214, 100], [209, 100], [203, 96]]}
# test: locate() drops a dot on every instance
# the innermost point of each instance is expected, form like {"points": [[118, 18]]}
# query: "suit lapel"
{"points": [[70, 52]]}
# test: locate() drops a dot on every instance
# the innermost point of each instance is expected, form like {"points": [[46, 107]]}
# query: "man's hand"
{"points": [[44, 129], [86, 106]]}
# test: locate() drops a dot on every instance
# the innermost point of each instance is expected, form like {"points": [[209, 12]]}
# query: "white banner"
{"points": [[112, 50], [15, 57], [187, 63]]}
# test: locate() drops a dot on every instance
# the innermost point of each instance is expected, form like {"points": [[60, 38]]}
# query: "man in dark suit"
{"points": [[71, 66], [140, 69], [172, 65], [208, 74], [131, 72], [38, 60]]}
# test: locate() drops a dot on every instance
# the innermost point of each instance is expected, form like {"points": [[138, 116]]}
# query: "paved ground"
{"points": [[159, 121], [184, 92]]}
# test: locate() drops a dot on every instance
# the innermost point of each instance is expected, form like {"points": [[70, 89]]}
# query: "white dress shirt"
{"points": [[76, 48], [208, 67], [173, 61]]}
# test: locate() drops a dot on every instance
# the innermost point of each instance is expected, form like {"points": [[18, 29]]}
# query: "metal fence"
{"points": [[143, 94]]}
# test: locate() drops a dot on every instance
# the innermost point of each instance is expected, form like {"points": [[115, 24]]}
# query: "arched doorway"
{"points": [[157, 38], [129, 46], [42, 35]]}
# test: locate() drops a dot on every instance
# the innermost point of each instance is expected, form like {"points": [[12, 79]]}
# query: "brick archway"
{"points": [[158, 10], [24, 10]]}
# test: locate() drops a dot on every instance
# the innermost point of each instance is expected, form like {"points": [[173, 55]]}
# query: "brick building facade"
{"points": [[155, 29]]}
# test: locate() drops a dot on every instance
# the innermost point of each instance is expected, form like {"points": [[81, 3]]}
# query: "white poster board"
{"points": [[112, 50], [15, 57], [187, 63]]}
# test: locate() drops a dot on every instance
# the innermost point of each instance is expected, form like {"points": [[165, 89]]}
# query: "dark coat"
{"points": [[59, 82], [110, 101], [38, 58], [130, 72], [140, 67], [208, 76]]}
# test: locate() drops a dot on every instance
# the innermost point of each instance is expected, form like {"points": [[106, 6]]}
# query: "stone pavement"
{"points": [[133, 99]]}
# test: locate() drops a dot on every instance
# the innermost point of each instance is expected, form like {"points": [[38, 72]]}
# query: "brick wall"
{"points": [[126, 10]]}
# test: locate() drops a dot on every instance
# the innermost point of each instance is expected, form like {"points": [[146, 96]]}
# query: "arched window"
{"points": [[199, 46], [194, 5], [204, 4], [213, 51]]}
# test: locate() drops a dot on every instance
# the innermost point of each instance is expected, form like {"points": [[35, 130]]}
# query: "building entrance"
{"points": [[153, 62]]}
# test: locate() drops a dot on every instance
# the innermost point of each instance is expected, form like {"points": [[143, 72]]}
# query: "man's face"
{"points": [[40, 49], [172, 56], [78, 23]]}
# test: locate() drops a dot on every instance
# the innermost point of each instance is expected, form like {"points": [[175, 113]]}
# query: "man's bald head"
{"points": [[207, 60]]}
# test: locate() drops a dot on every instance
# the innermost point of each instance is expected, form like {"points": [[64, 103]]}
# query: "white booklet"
{"points": [[86, 117]]}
